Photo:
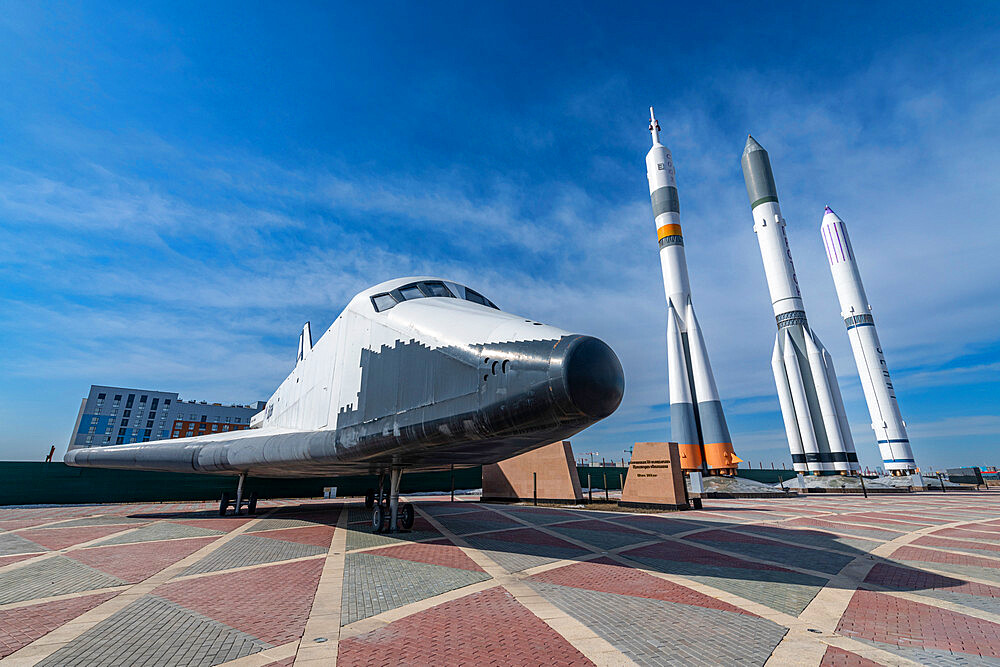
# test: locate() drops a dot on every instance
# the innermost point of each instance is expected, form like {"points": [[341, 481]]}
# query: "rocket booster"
{"points": [[812, 409], [890, 431], [697, 422]]}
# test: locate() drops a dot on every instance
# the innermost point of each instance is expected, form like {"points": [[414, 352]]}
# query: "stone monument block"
{"points": [[552, 467], [655, 479]]}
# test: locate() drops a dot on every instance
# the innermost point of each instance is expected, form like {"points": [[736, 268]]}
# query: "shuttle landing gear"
{"points": [[387, 507], [250, 502]]}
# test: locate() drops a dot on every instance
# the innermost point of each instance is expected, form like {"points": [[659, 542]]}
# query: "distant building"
{"points": [[117, 416]]}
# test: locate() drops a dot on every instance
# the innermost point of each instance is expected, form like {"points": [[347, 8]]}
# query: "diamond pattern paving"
{"points": [[101, 521], [780, 589], [601, 535], [183, 638], [892, 620], [512, 551], [22, 625], [476, 522], [837, 657], [374, 584], [608, 576], [60, 538], [440, 552], [49, 577], [663, 636], [160, 531], [485, 628], [135, 562], [812, 538], [244, 550], [360, 536], [758, 547], [11, 543], [220, 614], [275, 613]]}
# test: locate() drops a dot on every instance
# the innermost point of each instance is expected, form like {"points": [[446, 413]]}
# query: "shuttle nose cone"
{"points": [[589, 374]]}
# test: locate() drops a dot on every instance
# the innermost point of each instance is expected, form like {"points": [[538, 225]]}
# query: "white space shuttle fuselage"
{"points": [[697, 421], [417, 372]]}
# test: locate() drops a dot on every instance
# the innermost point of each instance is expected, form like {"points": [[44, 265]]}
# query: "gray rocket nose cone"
{"points": [[752, 145], [757, 174]]}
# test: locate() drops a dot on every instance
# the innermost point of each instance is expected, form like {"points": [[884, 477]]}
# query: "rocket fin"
{"points": [[824, 396], [787, 408], [838, 402], [716, 440], [803, 416], [683, 427]]}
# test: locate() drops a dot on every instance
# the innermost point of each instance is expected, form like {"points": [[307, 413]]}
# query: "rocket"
{"points": [[819, 436], [697, 422], [887, 422]]}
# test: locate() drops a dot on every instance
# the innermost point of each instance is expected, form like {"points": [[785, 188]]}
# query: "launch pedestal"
{"points": [[655, 479], [547, 473]]}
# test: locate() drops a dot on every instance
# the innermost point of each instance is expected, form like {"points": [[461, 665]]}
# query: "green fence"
{"points": [[766, 476], [40, 483], [612, 476]]}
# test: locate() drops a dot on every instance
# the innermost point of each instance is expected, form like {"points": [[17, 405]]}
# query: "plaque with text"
{"points": [[655, 479]]}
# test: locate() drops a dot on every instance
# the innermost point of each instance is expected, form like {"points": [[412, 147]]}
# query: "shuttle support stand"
{"points": [[887, 422], [819, 436], [697, 422]]}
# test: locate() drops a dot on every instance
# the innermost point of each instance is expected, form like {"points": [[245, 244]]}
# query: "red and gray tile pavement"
{"points": [[892, 580]]}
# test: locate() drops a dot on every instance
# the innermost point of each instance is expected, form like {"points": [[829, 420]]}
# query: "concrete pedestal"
{"points": [[551, 467], [655, 479]]}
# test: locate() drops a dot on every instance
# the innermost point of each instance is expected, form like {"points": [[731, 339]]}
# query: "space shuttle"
{"points": [[416, 374]]}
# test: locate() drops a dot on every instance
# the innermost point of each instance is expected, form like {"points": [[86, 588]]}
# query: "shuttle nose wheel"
{"points": [[250, 502]]}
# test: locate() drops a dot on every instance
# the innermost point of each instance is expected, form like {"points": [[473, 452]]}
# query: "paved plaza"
{"points": [[815, 580]]}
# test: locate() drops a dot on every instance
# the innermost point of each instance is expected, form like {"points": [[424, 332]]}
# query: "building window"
{"points": [[93, 420], [238, 420], [127, 413], [142, 399], [204, 418], [190, 433], [90, 439], [156, 402], [124, 422], [120, 440], [131, 398], [100, 397], [92, 429]]}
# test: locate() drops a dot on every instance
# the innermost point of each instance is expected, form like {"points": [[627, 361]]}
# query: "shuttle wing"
{"points": [[272, 452]]}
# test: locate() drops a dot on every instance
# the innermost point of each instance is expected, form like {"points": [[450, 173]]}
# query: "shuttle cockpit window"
{"points": [[410, 292], [436, 289], [430, 288], [383, 302], [476, 297]]}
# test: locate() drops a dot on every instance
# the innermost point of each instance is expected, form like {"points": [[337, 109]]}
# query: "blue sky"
{"points": [[182, 185]]}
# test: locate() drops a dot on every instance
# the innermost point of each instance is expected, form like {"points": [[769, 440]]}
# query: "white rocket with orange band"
{"points": [[697, 423]]}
